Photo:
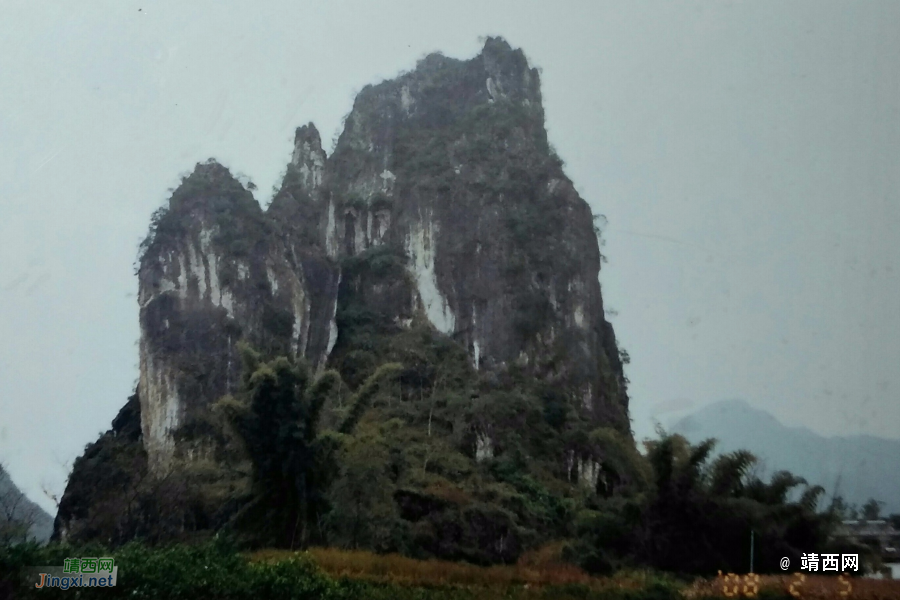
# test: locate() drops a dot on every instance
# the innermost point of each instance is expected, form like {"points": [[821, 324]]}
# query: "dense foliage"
{"points": [[224, 203], [402, 464], [277, 417], [404, 446], [217, 570], [697, 515]]}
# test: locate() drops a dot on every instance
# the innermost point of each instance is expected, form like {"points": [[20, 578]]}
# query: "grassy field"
{"points": [[535, 574], [217, 570], [542, 574]]}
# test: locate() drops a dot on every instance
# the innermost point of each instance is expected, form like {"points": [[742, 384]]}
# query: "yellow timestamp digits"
{"points": [[732, 587], [799, 578], [747, 586], [846, 584]]}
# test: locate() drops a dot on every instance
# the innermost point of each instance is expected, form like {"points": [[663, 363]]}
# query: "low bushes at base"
{"points": [[216, 570]]}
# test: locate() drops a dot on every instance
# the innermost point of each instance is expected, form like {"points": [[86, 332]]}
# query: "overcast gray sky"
{"points": [[746, 154]]}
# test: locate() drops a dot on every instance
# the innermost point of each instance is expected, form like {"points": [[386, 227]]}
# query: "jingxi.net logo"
{"points": [[78, 572], [810, 562]]}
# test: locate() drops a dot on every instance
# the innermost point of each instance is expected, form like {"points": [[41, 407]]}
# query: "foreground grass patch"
{"points": [[216, 571], [393, 568], [542, 575], [534, 576]]}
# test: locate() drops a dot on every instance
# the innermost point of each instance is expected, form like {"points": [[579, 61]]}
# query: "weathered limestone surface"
{"points": [[217, 270], [448, 167]]}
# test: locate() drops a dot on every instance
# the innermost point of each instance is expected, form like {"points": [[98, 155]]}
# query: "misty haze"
{"points": [[506, 299]]}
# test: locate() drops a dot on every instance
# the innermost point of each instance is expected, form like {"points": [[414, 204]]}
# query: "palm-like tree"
{"points": [[702, 510], [294, 461]]}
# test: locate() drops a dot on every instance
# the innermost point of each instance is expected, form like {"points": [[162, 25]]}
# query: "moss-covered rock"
{"points": [[441, 234]]}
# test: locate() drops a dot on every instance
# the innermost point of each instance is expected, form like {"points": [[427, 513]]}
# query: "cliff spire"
{"points": [[308, 158]]}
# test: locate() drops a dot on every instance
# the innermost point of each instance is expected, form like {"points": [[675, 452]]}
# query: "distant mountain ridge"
{"points": [[861, 466], [17, 506]]}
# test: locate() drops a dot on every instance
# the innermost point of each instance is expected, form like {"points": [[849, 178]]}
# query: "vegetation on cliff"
{"points": [[395, 467], [431, 370]]}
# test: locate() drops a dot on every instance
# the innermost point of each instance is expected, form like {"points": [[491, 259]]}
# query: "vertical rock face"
{"points": [[215, 270], [449, 165], [446, 170]]}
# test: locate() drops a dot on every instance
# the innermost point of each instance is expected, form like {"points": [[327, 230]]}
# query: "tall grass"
{"points": [[393, 568], [536, 574], [216, 571]]}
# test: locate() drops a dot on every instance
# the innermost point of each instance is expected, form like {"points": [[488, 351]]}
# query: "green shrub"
{"points": [[212, 570]]}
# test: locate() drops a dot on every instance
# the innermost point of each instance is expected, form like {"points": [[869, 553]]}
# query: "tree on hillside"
{"points": [[363, 510], [17, 515], [277, 415]]}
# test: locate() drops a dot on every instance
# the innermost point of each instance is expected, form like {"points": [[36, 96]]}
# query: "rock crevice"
{"points": [[448, 167]]}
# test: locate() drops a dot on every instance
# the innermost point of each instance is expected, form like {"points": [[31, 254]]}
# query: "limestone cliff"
{"points": [[214, 270], [442, 205], [449, 166]]}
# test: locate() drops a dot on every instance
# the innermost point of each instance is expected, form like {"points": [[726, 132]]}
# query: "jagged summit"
{"points": [[496, 56], [497, 45], [441, 233], [447, 170], [441, 89], [449, 167], [211, 169], [308, 135], [212, 189], [308, 159], [210, 176]]}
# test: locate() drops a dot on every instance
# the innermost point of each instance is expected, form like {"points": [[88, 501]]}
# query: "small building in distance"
{"points": [[878, 534]]}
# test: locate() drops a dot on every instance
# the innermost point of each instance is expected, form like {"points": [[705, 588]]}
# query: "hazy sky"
{"points": [[746, 154]]}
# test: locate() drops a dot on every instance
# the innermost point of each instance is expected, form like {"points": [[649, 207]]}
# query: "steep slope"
{"points": [[449, 169], [213, 271], [20, 518], [862, 466], [103, 480], [442, 233]]}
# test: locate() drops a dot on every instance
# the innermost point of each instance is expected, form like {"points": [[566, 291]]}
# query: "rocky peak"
{"points": [[214, 271], [445, 172], [508, 73], [212, 187], [213, 173], [308, 159], [449, 166], [442, 232]]}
